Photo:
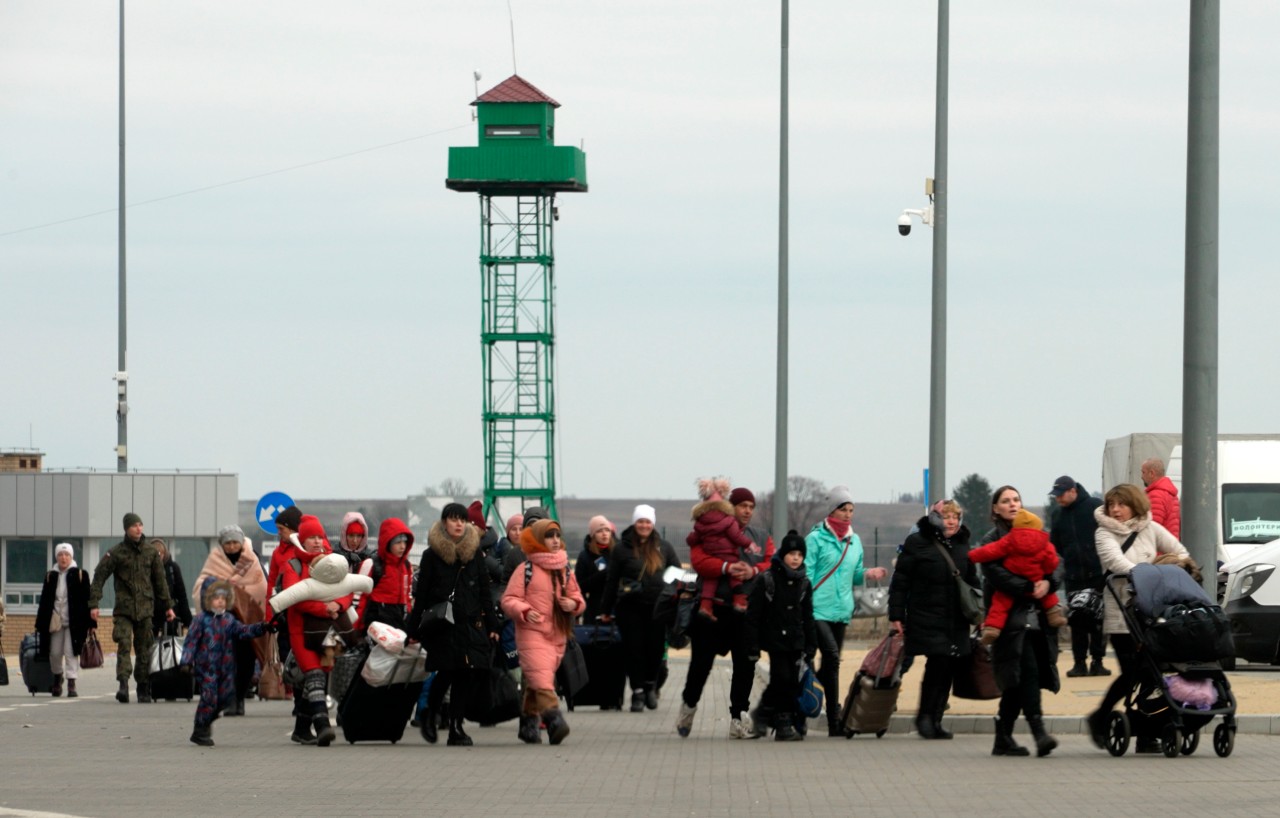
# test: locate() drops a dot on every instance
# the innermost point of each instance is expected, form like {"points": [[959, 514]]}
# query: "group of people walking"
{"points": [[792, 600]]}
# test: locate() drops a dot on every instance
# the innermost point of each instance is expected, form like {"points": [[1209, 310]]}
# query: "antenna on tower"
{"points": [[476, 76], [511, 18]]}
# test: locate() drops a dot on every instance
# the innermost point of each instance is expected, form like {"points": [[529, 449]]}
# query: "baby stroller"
{"points": [[1180, 636]]}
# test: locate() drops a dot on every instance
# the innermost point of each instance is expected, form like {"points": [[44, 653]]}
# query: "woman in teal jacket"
{"points": [[834, 565]]}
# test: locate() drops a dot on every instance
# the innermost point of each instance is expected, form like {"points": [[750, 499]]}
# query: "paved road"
{"points": [[95, 757]]}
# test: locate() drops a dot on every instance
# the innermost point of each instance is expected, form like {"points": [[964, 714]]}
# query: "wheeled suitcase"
{"points": [[868, 707], [37, 675], [167, 680], [606, 667], [371, 713]]}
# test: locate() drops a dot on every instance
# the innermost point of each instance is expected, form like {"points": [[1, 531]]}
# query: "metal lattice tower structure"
{"points": [[517, 170]]}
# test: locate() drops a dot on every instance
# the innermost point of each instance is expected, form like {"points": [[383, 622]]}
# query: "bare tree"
{"points": [[806, 501], [453, 487]]}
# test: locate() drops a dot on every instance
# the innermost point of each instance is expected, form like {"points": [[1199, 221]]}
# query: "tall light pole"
{"points": [[122, 370], [935, 215], [1200, 310], [780, 433]]}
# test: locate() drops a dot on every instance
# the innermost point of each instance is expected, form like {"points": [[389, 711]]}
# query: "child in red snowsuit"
{"points": [[717, 534], [1027, 552]]}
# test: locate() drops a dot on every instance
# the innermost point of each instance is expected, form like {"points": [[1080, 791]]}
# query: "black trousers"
{"points": [[245, 658], [462, 681], [1127, 656], [712, 639], [644, 641], [1025, 697], [1087, 639], [935, 686], [830, 640], [780, 699]]}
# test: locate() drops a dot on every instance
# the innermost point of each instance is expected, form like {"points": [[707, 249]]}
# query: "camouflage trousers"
{"points": [[135, 635]]}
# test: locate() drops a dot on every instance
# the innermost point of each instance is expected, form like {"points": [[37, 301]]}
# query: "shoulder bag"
{"points": [[970, 597], [977, 678], [441, 614], [828, 575]]}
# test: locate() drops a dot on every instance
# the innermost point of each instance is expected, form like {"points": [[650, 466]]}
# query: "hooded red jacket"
{"points": [[394, 586]]}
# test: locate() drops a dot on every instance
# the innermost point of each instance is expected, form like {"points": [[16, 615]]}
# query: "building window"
{"points": [[507, 131], [25, 563]]}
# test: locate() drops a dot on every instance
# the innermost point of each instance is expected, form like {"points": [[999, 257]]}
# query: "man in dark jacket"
{"points": [[1073, 536], [141, 588]]}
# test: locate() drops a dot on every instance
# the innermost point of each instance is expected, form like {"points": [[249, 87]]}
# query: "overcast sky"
{"points": [[316, 330]]}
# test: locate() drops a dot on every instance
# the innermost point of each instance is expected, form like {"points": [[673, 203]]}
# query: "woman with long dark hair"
{"points": [[631, 588]]}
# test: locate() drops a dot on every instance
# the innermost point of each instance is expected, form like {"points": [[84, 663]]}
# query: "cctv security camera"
{"points": [[904, 225]]}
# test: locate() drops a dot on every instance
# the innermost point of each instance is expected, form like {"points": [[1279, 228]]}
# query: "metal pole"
{"points": [[780, 435], [122, 423], [938, 345], [1200, 310]]}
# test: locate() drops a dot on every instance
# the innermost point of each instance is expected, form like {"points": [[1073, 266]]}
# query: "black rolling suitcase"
{"points": [[606, 667], [167, 680], [377, 713], [37, 674]]}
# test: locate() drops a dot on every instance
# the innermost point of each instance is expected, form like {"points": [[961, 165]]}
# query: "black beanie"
{"points": [[792, 542], [290, 518]]}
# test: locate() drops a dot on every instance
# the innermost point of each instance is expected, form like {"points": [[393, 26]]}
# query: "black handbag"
{"points": [[498, 700], [572, 674], [977, 679], [970, 597], [4, 671]]}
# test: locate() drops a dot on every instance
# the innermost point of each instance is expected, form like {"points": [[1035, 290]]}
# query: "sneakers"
{"points": [[684, 721], [1096, 669], [741, 727]]}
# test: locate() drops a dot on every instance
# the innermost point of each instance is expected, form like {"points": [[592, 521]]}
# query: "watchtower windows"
{"points": [[508, 131]]}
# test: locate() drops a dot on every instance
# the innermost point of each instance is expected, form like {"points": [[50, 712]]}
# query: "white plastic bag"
{"points": [[384, 667], [387, 636]]}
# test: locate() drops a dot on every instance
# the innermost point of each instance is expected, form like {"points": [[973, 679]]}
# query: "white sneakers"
{"points": [[742, 727], [684, 722]]}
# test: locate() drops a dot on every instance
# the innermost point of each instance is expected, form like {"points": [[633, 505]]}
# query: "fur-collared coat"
{"points": [[541, 643], [1153, 540], [454, 567]]}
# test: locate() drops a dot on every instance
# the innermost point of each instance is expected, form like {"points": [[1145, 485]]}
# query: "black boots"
{"points": [[1044, 742], [637, 701], [144, 692], [236, 709], [324, 730], [457, 736], [1096, 668], [784, 729], [302, 731], [427, 723], [1078, 669], [651, 697], [924, 726], [1004, 744], [57, 685], [557, 727], [202, 736], [71, 689], [122, 695], [528, 732]]}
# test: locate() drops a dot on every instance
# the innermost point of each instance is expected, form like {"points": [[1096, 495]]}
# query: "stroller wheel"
{"points": [[1224, 740], [1171, 741], [1190, 741], [1118, 734]]}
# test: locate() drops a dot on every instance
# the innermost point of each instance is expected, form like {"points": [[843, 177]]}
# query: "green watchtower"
{"points": [[517, 169]]}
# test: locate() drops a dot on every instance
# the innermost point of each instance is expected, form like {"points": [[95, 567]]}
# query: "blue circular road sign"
{"points": [[271, 504]]}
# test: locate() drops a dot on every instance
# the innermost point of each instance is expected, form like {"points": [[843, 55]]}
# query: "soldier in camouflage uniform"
{"points": [[140, 585]]}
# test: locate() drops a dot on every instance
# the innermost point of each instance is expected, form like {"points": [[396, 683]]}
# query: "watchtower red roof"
{"points": [[515, 89]]}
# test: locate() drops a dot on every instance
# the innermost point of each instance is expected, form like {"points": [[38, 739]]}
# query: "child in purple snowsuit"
{"points": [[208, 652]]}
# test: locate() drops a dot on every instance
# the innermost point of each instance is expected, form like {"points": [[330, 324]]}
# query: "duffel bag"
{"points": [[1182, 634]]}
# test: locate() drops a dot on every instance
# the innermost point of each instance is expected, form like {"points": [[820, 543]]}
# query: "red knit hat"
{"points": [[475, 513], [310, 526]]}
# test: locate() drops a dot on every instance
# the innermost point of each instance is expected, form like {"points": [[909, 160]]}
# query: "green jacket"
{"points": [[141, 588], [833, 599]]}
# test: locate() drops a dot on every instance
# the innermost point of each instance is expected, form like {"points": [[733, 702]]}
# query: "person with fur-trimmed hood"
{"points": [[717, 537], [542, 600], [461, 650], [208, 652]]}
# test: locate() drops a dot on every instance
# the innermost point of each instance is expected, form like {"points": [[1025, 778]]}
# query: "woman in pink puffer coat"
{"points": [[542, 599]]}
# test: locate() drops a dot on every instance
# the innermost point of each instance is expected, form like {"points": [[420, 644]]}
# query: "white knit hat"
{"points": [[644, 512], [63, 546]]}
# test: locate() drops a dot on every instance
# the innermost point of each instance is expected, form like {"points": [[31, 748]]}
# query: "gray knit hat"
{"points": [[838, 496], [230, 533]]}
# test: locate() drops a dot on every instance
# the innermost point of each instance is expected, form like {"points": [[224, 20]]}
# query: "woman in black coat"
{"points": [[177, 593], [632, 585], [452, 568], [924, 606], [65, 592], [1025, 657], [592, 566]]}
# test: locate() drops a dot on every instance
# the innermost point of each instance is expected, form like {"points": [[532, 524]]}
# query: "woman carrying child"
{"points": [[542, 600]]}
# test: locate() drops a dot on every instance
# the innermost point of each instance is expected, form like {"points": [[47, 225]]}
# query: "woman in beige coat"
{"points": [[1126, 536]]}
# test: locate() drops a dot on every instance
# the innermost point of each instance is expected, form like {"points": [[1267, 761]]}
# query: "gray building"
{"points": [[86, 509]]}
